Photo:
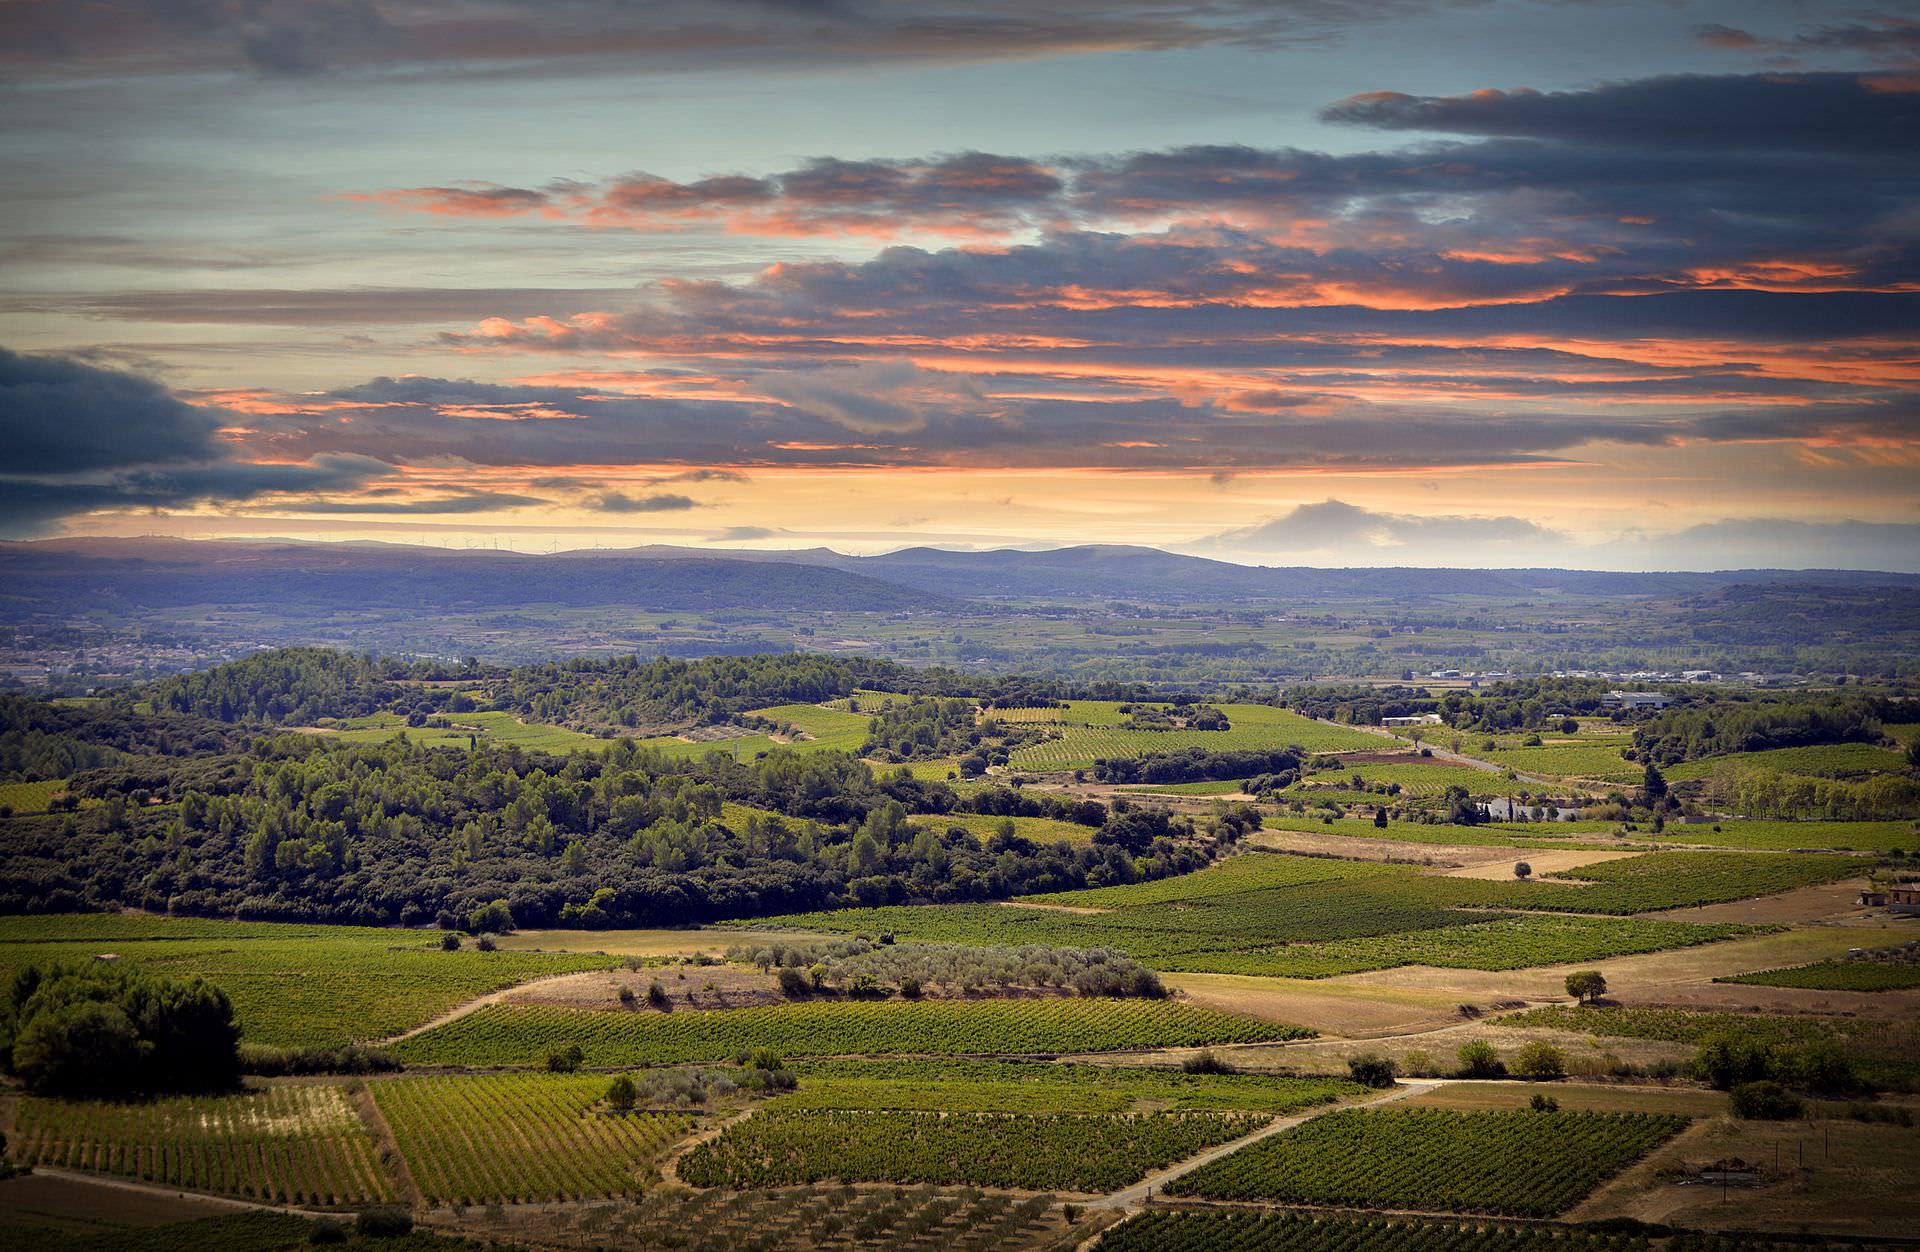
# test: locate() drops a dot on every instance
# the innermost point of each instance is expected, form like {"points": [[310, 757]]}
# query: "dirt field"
{"points": [[1683, 977], [78, 1206], [1828, 902], [1437, 1051], [1353, 848], [1856, 1179], [1542, 862], [1331, 1008], [723, 986], [1598, 1097]]}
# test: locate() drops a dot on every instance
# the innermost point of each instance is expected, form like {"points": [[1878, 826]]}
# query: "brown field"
{"points": [[1436, 1051], [1836, 901], [1328, 1006], [1542, 862], [70, 1205], [1856, 1179], [1354, 848], [1595, 1097]]}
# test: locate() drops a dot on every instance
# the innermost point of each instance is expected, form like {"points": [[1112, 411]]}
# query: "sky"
{"points": [[1627, 284]]}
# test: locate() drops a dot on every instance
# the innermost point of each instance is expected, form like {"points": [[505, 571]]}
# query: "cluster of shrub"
{"points": [[861, 967], [100, 1030]]}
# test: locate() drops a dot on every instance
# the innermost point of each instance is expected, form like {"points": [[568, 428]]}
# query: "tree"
{"points": [[1765, 1101], [1586, 985], [98, 1030], [1540, 1060], [793, 983], [450, 942], [1370, 1069], [1380, 818], [1479, 1060], [496, 918], [1569, 727], [1522, 869], [622, 1095], [1543, 1103], [565, 1060], [1653, 786]]}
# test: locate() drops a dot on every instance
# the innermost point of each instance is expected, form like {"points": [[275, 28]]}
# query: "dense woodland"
{"points": [[299, 828]]}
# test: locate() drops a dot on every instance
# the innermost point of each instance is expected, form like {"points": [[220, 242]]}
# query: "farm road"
{"points": [[1136, 1195]]}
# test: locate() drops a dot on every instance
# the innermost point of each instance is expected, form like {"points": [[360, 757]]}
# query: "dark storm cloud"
{"points": [[80, 437], [303, 37], [61, 416], [1826, 112]]}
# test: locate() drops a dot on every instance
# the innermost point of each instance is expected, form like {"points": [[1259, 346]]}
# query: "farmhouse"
{"points": [[1418, 719], [1636, 700], [1904, 899]]}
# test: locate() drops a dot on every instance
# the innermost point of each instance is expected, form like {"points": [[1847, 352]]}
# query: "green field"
{"points": [[290, 1144], [1419, 781], [1339, 916], [1490, 835], [1030, 1152], [827, 729], [519, 1138], [518, 1035], [1095, 729], [292, 985], [31, 797], [1526, 1163], [1595, 757], [1505, 943], [1211, 787], [1836, 976], [936, 1083], [1832, 760], [983, 825]]}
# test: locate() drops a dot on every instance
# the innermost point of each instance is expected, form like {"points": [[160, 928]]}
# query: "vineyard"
{"points": [[294, 1144], [1502, 944], [517, 1035], [1170, 1230], [918, 1219], [31, 797], [1340, 916], [519, 1138], [826, 729], [1680, 1026], [1782, 836], [983, 825], [1413, 780], [1829, 760], [1836, 976], [1529, 1164], [1045, 1087], [297, 986], [1592, 757], [1073, 1152]]}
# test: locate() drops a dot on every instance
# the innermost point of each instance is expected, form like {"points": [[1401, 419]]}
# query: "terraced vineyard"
{"points": [[1231, 876], [1500, 944], [1073, 1152], [1516, 1164], [292, 1144], [519, 1035], [1170, 1230], [519, 1138]]}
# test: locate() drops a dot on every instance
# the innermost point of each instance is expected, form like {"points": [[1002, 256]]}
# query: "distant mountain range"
{"points": [[158, 573]]}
